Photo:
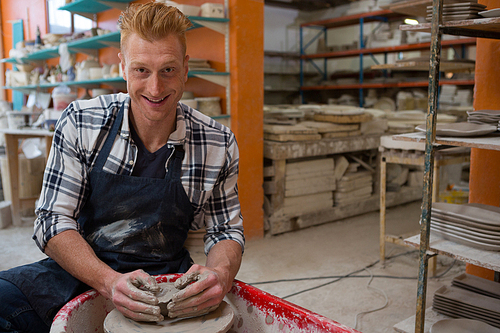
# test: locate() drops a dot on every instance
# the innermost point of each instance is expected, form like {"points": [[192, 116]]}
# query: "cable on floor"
{"points": [[339, 277], [376, 309], [349, 275], [328, 283]]}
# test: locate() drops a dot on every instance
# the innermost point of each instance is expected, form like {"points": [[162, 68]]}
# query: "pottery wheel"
{"points": [[218, 321]]}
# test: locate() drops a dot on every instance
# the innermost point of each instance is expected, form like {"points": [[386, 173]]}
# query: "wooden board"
{"points": [[326, 127], [291, 137], [444, 66], [341, 165], [491, 141], [310, 185], [307, 203], [415, 7], [355, 175], [288, 150], [342, 119], [288, 129], [340, 134], [303, 168], [355, 194], [486, 259], [354, 184], [485, 24]]}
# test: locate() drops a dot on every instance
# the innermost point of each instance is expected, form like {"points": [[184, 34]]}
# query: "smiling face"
{"points": [[156, 73]]}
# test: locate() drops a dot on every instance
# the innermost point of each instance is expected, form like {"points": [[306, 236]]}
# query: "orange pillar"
{"points": [[246, 47], [484, 185]]}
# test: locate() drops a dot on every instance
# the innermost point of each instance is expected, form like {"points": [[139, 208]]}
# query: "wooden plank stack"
{"points": [[309, 186]]}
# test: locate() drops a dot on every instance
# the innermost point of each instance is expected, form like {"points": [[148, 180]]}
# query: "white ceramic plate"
{"points": [[461, 221], [466, 241], [476, 212], [490, 13], [462, 129], [443, 224], [484, 112], [466, 236]]}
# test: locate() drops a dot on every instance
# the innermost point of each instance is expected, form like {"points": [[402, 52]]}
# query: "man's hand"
{"points": [[133, 294], [200, 297]]}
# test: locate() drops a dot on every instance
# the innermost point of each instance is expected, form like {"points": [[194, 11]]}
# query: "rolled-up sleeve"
{"points": [[64, 185], [223, 220]]}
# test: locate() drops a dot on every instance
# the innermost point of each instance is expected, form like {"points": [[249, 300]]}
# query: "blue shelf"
{"points": [[91, 43], [116, 80], [95, 43], [90, 6], [194, 73]]}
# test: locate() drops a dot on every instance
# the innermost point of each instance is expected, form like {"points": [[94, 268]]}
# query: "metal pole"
{"points": [[301, 39], [361, 74], [430, 138]]}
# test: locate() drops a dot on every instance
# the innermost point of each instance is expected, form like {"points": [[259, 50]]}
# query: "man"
{"points": [[128, 175]]}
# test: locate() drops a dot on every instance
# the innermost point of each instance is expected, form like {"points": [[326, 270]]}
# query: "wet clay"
{"points": [[218, 321]]}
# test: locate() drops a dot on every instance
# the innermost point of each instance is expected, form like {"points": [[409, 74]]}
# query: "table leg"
{"points": [[383, 167], [11, 149]]}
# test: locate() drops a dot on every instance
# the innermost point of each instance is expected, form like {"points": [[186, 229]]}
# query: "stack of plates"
{"points": [[478, 285], [200, 65], [474, 225], [458, 11], [459, 303], [490, 117]]}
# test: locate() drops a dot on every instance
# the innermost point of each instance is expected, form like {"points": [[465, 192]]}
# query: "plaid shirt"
{"points": [[209, 168]]}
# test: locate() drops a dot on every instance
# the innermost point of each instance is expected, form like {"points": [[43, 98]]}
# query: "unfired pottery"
{"points": [[462, 326], [461, 129], [471, 212], [218, 321]]}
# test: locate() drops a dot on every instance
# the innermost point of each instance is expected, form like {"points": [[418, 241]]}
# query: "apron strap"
{"points": [[108, 144], [176, 164]]}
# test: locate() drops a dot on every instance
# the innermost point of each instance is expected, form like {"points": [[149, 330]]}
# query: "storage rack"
{"points": [[382, 15], [91, 46], [484, 28]]}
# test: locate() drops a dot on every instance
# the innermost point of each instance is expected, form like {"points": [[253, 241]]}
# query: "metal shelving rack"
{"points": [[483, 28], [382, 15]]}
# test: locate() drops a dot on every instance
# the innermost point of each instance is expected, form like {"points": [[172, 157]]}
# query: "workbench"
{"points": [[12, 138], [278, 154]]}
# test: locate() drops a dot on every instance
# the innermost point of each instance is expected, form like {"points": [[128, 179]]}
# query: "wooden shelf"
{"points": [[353, 19], [388, 85], [275, 150], [388, 49], [484, 27], [445, 66], [491, 142], [282, 54], [439, 245]]}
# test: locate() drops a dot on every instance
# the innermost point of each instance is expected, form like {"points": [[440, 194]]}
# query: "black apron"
{"points": [[130, 222]]}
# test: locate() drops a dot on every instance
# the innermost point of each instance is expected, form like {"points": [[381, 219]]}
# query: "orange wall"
{"points": [[247, 66], [26, 10], [484, 183]]}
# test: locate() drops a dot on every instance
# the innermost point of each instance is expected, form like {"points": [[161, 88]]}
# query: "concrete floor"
{"points": [[332, 249]]}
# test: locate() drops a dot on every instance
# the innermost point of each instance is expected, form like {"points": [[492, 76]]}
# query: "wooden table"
{"points": [[12, 138], [411, 153]]}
